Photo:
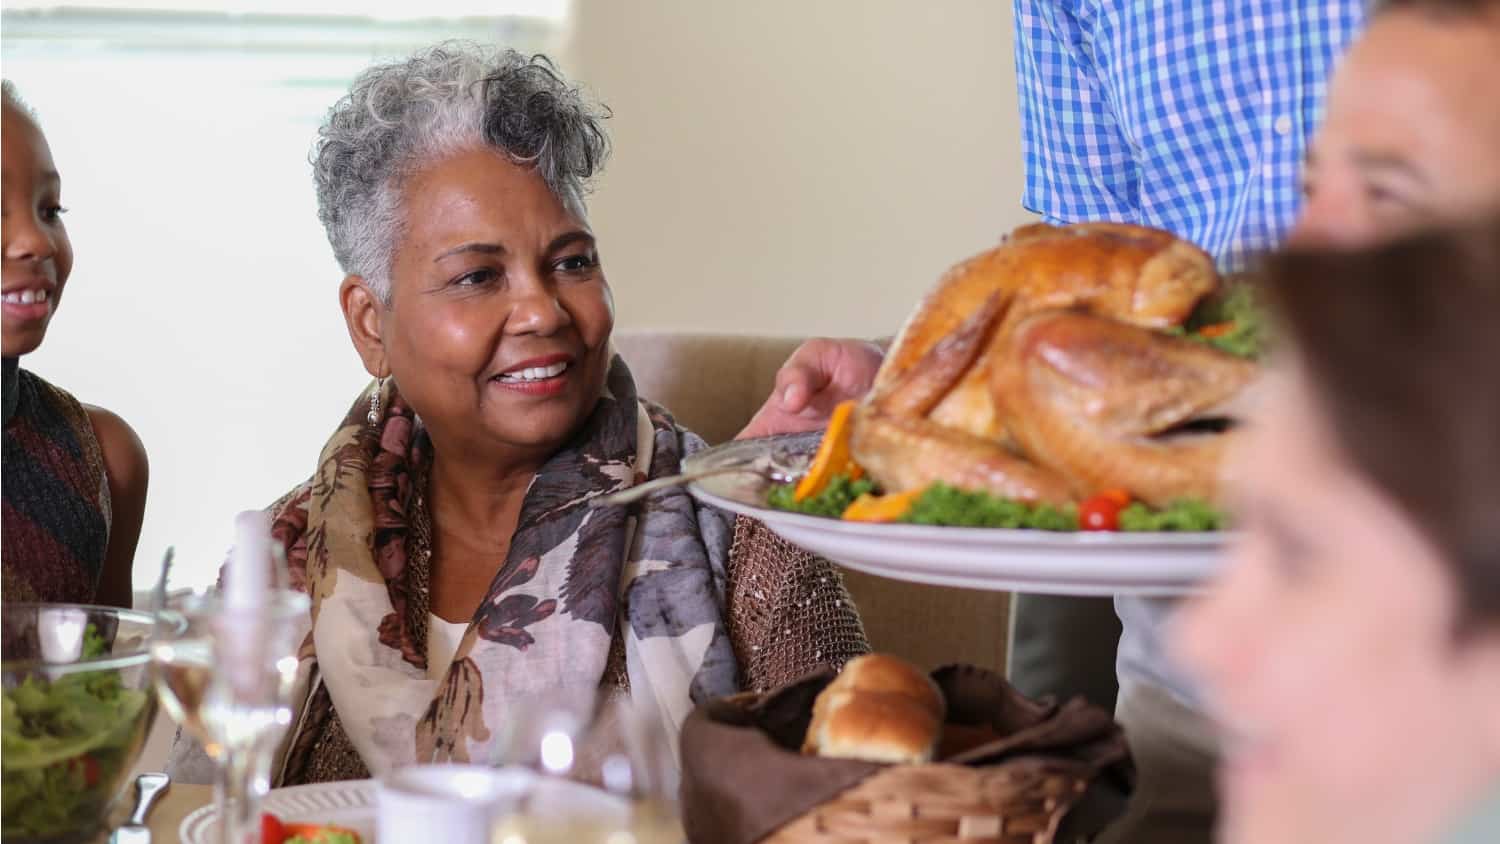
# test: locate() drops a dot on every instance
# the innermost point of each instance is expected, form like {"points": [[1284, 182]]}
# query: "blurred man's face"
{"points": [[1412, 131]]}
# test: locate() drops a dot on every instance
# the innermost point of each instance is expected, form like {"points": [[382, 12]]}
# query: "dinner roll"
{"points": [[879, 709], [874, 727], [887, 674]]}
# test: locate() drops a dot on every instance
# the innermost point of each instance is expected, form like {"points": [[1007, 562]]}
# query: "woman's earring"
{"points": [[374, 415]]}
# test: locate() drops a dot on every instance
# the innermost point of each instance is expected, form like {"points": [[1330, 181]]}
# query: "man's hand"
{"points": [[819, 375]]}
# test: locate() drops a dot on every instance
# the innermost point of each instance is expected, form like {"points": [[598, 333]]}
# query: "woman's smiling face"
{"points": [[498, 325]]}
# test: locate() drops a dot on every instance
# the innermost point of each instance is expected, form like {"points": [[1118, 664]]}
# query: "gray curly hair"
{"points": [[454, 96]]}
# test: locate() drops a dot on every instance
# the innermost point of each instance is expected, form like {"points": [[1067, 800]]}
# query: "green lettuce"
{"points": [[1236, 306], [1188, 515], [832, 501], [327, 836], [63, 745], [941, 504]]}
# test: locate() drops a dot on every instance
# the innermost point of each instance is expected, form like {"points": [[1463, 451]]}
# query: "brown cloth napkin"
{"points": [[743, 776]]}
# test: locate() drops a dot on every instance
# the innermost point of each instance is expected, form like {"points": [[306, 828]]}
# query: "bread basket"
{"points": [[1010, 771]]}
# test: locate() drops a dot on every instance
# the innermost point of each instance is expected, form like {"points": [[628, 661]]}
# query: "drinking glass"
{"points": [[638, 763], [604, 774], [226, 677]]}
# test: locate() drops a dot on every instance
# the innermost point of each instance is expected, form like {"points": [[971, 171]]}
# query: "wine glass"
{"points": [[604, 773], [182, 660], [226, 677], [638, 762]]}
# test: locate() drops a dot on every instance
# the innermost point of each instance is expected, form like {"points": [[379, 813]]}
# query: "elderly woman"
{"points": [[446, 535], [1352, 646], [75, 474]]}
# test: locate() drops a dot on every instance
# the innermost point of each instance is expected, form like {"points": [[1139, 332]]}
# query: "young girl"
{"points": [[74, 475]]}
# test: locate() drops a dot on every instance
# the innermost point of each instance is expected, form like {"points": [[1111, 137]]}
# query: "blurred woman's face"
{"points": [[1351, 709], [498, 328], [37, 254]]}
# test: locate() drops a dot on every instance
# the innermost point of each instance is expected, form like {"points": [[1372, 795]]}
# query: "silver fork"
{"points": [[148, 787], [778, 467], [159, 593]]}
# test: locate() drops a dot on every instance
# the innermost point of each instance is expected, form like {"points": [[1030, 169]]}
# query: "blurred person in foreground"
{"points": [[74, 475], [447, 538], [1351, 646]]}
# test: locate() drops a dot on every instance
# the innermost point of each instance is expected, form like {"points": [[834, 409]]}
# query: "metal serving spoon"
{"points": [[778, 466]]}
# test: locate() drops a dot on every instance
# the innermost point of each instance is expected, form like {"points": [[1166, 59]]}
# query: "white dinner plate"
{"points": [[1081, 563], [348, 804], [352, 804]]}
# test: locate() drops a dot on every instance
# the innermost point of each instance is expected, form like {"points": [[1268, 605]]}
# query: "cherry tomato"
{"points": [[272, 831], [1116, 494], [1102, 512], [89, 767], [91, 771]]}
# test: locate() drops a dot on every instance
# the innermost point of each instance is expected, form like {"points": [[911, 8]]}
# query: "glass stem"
{"points": [[237, 794]]}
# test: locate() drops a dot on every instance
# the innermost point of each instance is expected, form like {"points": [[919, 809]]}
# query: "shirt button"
{"points": [[1283, 125]]}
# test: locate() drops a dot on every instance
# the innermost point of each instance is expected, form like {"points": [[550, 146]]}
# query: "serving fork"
{"points": [[148, 787], [777, 466]]}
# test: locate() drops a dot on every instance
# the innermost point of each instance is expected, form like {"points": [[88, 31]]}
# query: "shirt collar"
{"points": [[1482, 824]]}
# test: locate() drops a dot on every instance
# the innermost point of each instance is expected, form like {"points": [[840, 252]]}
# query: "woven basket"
{"points": [[938, 804], [1014, 771]]}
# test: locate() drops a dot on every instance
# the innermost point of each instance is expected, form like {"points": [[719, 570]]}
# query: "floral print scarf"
{"points": [[574, 578]]}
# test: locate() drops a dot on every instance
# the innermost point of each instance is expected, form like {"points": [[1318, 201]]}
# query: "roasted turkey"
{"points": [[1042, 371]]}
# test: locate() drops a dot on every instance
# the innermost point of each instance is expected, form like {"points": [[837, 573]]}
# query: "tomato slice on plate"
{"points": [[272, 830]]}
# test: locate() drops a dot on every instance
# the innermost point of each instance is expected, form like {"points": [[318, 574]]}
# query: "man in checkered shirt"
{"points": [[1191, 116]]}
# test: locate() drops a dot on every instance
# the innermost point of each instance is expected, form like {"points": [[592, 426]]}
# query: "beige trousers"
{"points": [[1175, 753]]}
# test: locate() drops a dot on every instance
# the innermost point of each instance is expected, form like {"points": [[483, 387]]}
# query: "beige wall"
{"points": [[797, 167]]}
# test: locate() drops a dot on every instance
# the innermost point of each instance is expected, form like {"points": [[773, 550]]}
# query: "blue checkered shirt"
{"points": [[1189, 115]]}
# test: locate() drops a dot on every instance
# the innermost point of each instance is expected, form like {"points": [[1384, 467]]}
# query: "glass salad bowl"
{"points": [[77, 705]]}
